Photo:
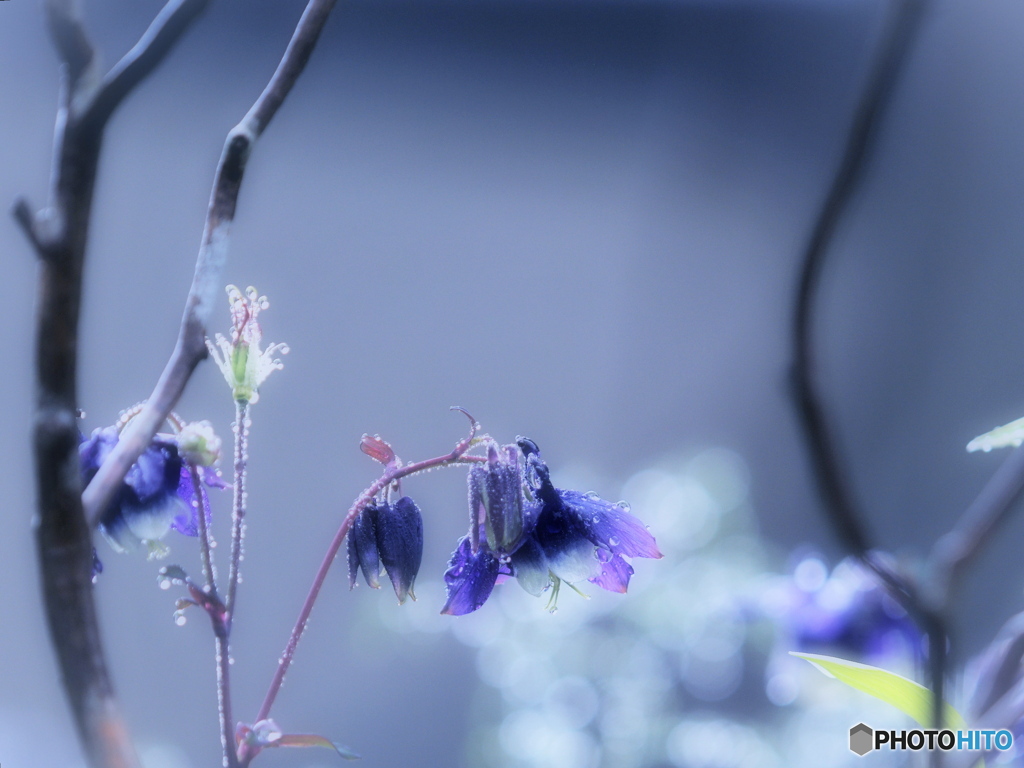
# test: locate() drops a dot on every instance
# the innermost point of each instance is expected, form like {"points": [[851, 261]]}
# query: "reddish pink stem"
{"points": [[391, 474]]}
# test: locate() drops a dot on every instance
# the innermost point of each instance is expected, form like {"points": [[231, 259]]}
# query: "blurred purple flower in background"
{"points": [[846, 613]]}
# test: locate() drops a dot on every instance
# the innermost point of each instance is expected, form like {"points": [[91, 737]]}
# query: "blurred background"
{"points": [[580, 221]]}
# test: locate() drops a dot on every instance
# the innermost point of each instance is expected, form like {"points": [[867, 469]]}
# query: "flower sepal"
{"points": [[253, 739]]}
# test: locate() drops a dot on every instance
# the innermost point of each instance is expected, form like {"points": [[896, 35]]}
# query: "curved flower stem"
{"points": [[241, 432], [392, 472]]}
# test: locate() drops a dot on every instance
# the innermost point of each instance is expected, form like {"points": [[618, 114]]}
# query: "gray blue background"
{"points": [[578, 220]]}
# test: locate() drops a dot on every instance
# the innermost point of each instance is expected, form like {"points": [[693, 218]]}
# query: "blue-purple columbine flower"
{"points": [[522, 526], [156, 495], [846, 612], [389, 536]]}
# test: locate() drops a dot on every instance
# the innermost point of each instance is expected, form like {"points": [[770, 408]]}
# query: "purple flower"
{"points": [[388, 535], [523, 526], [845, 612], [155, 496]]}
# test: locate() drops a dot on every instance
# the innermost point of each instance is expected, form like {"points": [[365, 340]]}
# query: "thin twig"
{"points": [[64, 538], [190, 348], [954, 551], [846, 519], [205, 550], [902, 25], [143, 58]]}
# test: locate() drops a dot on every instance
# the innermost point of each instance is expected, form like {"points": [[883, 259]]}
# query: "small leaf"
{"points": [[312, 740], [173, 573], [1011, 434], [906, 695]]}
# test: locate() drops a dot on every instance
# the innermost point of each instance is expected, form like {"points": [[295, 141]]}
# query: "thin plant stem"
{"points": [[241, 433], [205, 550], [391, 474], [227, 721]]}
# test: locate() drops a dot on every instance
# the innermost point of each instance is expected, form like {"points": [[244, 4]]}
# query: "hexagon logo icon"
{"points": [[861, 739]]}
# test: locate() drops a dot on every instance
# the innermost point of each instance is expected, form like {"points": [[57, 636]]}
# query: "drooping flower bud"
{"points": [[388, 535], [362, 548], [400, 543], [496, 500], [198, 444]]}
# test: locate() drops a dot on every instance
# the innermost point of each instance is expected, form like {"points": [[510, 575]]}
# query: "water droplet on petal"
{"points": [[623, 505], [165, 583], [612, 541], [179, 618]]}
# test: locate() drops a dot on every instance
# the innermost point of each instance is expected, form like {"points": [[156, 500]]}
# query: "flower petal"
{"points": [[611, 526], [469, 579], [400, 543], [362, 548], [615, 572], [531, 567]]}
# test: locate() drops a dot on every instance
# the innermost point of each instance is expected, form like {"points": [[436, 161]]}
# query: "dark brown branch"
{"points": [[846, 519], [69, 37], [22, 213], [206, 283], [953, 552], [902, 24], [63, 535], [168, 26]]}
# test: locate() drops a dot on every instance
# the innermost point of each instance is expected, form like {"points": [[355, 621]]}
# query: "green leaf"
{"points": [[1011, 434], [312, 740], [906, 695]]}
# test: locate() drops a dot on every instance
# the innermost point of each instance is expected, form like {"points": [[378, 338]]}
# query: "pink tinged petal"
{"points": [[611, 526], [470, 578], [312, 740], [212, 477], [377, 449], [615, 572]]}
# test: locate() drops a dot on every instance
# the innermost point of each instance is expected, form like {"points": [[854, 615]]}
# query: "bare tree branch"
{"points": [[902, 24], [953, 552], [69, 37], [63, 535], [190, 348], [143, 58], [846, 519]]}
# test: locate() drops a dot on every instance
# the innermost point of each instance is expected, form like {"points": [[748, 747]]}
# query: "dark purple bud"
{"points": [[362, 547], [400, 543], [496, 500], [469, 579]]}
